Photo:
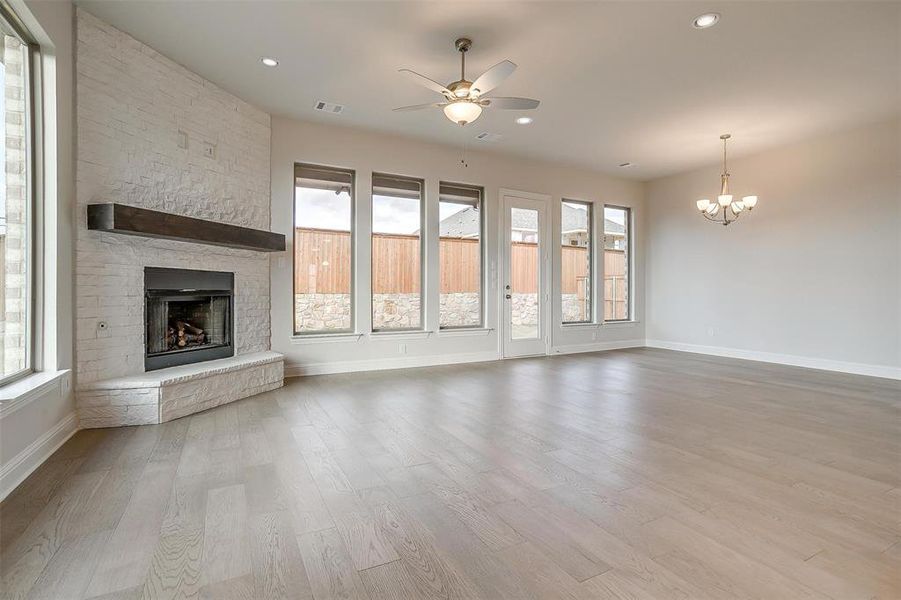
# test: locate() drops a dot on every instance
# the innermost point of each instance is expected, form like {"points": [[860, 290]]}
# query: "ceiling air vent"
{"points": [[486, 136], [329, 107]]}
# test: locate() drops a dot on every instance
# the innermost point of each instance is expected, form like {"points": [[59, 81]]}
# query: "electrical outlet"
{"points": [[182, 140], [209, 149], [594, 335], [402, 348], [711, 331], [103, 329]]}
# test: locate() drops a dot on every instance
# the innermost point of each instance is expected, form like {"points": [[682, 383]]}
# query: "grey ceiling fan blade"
{"points": [[421, 106], [425, 81], [510, 103], [493, 77]]}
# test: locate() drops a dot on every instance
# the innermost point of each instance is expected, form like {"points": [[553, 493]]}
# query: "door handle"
{"points": [[507, 296]]}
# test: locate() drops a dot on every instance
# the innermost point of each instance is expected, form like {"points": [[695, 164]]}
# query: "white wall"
{"points": [[37, 423], [811, 277], [365, 152]]}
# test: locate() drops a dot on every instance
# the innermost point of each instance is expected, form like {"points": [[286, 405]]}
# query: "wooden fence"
{"points": [[323, 258]]}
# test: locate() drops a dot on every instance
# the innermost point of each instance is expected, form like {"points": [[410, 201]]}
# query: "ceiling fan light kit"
{"points": [[719, 211], [464, 100]]}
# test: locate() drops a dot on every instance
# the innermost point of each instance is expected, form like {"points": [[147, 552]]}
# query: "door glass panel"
{"points": [[524, 270]]}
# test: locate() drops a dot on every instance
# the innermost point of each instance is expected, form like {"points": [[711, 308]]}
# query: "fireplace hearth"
{"points": [[188, 316]]}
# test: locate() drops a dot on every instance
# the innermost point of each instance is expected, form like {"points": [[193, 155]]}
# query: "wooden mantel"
{"points": [[131, 220]]}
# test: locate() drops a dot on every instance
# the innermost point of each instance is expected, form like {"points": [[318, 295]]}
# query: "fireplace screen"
{"points": [[188, 316]]}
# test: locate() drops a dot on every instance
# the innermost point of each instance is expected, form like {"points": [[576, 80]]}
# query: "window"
{"points": [[16, 205], [460, 255], [575, 255], [617, 272], [323, 249], [396, 252]]}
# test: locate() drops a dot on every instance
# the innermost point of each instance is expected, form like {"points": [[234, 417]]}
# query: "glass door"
{"points": [[526, 274]]}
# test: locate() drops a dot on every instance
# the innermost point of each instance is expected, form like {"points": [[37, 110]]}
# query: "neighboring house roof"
{"points": [[466, 222], [613, 227], [461, 224]]}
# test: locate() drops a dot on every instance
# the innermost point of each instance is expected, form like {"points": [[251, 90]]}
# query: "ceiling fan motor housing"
{"points": [[463, 44]]}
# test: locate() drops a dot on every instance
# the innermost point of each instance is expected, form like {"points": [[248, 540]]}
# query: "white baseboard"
{"points": [[793, 360], [597, 347], [25, 462], [381, 364]]}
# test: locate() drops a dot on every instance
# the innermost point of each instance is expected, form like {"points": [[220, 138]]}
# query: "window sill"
{"points": [[579, 325], [17, 394], [464, 332], [326, 338], [620, 323], [401, 335]]}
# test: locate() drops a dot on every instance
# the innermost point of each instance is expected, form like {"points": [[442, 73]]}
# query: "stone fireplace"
{"points": [[166, 326]]}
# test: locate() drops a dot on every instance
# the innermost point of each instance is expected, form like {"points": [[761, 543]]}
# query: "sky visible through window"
{"points": [[323, 209]]}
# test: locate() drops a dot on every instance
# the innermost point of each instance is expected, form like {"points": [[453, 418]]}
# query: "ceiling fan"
{"points": [[464, 99]]}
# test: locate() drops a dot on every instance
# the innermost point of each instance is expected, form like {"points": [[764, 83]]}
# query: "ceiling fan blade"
{"points": [[510, 103], [493, 77], [425, 81], [421, 106]]}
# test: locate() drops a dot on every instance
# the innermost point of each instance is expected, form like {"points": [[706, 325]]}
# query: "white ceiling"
{"points": [[618, 81]]}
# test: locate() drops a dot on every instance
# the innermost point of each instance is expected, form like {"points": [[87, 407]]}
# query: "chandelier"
{"points": [[725, 205]]}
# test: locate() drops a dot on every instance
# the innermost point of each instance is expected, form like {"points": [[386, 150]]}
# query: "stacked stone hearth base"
{"points": [[166, 394]]}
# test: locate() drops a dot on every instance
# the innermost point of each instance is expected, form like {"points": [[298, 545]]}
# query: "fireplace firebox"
{"points": [[188, 316]]}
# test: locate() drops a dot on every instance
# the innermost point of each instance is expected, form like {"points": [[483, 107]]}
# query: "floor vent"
{"points": [[329, 107]]}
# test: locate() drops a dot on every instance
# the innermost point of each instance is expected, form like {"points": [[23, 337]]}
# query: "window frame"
{"points": [[592, 317], [353, 254], [422, 254], [627, 230], [33, 270], [483, 227]]}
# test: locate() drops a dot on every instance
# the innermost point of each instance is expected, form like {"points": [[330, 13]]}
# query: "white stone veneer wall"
{"points": [[133, 107]]}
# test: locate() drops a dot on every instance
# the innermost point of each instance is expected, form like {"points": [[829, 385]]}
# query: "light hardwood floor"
{"points": [[628, 474]]}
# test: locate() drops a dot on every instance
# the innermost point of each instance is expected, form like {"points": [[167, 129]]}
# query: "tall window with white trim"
{"points": [[16, 203], [461, 220], [397, 220], [323, 249], [575, 261], [617, 261]]}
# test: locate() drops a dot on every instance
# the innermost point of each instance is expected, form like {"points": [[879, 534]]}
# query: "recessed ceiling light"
{"points": [[524, 120], [706, 20], [269, 61]]}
